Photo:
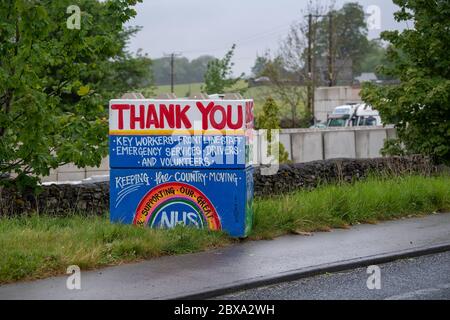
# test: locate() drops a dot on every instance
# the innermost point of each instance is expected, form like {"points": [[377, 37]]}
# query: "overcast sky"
{"points": [[197, 27]]}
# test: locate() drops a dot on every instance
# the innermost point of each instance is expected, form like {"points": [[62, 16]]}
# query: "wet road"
{"points": [[422, 278], [257, 263]]}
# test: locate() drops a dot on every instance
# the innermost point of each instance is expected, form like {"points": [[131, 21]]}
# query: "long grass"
{"points": [[40, 246], [339, 206]]}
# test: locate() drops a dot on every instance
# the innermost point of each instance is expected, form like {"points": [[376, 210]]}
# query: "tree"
{"points": [[269, 119], [259, 66], [288, 86], [198, 68], [349, 34], [420, 105], [185, 71], [55, 82], [182, 70], [375, 57], [288, 69], [218, 76], [161, 70]]}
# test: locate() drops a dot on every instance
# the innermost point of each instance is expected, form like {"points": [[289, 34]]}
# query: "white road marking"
{"points": [[418, 293]]}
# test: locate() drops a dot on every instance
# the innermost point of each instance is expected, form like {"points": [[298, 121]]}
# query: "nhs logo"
{"points": [[178, 213]]}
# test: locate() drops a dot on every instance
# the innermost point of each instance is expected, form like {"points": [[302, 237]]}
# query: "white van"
{"points": [[354, 115]]}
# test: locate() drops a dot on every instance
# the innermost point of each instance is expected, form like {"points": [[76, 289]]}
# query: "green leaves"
{"points": [[84, 90], [218, 76], [420, 105], [270, 119], [349, 36], [55, 82]]}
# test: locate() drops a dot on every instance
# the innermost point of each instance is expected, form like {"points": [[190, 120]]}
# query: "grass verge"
{"points": [[40, 246], [340, 206]]}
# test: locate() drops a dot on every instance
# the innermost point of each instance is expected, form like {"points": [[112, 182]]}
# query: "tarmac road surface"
{"points": [[422, 278], [254, 264]]}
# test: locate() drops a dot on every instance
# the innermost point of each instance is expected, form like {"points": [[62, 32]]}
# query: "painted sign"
{"points": [[182, 162], [204, 199], [180, 133]]}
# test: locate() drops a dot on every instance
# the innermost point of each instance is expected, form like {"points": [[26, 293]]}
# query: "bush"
{"points": [[270, 119], [420, 105], [55, 83]]}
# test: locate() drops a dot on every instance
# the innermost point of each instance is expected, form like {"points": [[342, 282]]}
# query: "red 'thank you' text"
{"points": [[180, 116]]}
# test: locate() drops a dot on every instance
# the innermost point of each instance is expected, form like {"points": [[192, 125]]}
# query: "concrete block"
{"points": [[362, 144], [307, 146], [339, 144], [104, 165], [369, 143], [356, 94], [50, 178], [256, 152], [285, 140], [70, 167], [91, 173], [376, 142], [71, 176]]}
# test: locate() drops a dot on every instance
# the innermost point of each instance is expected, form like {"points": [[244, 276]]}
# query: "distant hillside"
{"points": [[185, 71], [259, 94]]}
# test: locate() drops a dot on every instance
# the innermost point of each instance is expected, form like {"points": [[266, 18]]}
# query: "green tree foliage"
{"points": [[375, 57], [55, 82], [420, 105], [349, 35], [260, 65], [287, 86], [269, 119], [185, 71], [218, 76], [288, 70]]}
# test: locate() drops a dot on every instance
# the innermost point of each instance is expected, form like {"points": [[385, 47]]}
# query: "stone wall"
{"points": [[309, 175], [93, 198], [57, 199]]}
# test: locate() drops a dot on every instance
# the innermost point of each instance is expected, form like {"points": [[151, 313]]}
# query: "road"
{"points": [[422, 278], [251, 264]]}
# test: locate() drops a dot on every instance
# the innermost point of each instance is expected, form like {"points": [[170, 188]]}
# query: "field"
{"points": [[180, 90], [41, 246], [259, 95]]}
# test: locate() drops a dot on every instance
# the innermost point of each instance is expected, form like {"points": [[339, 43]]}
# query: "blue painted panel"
{"points": [[197, 151], [213, 199]]}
